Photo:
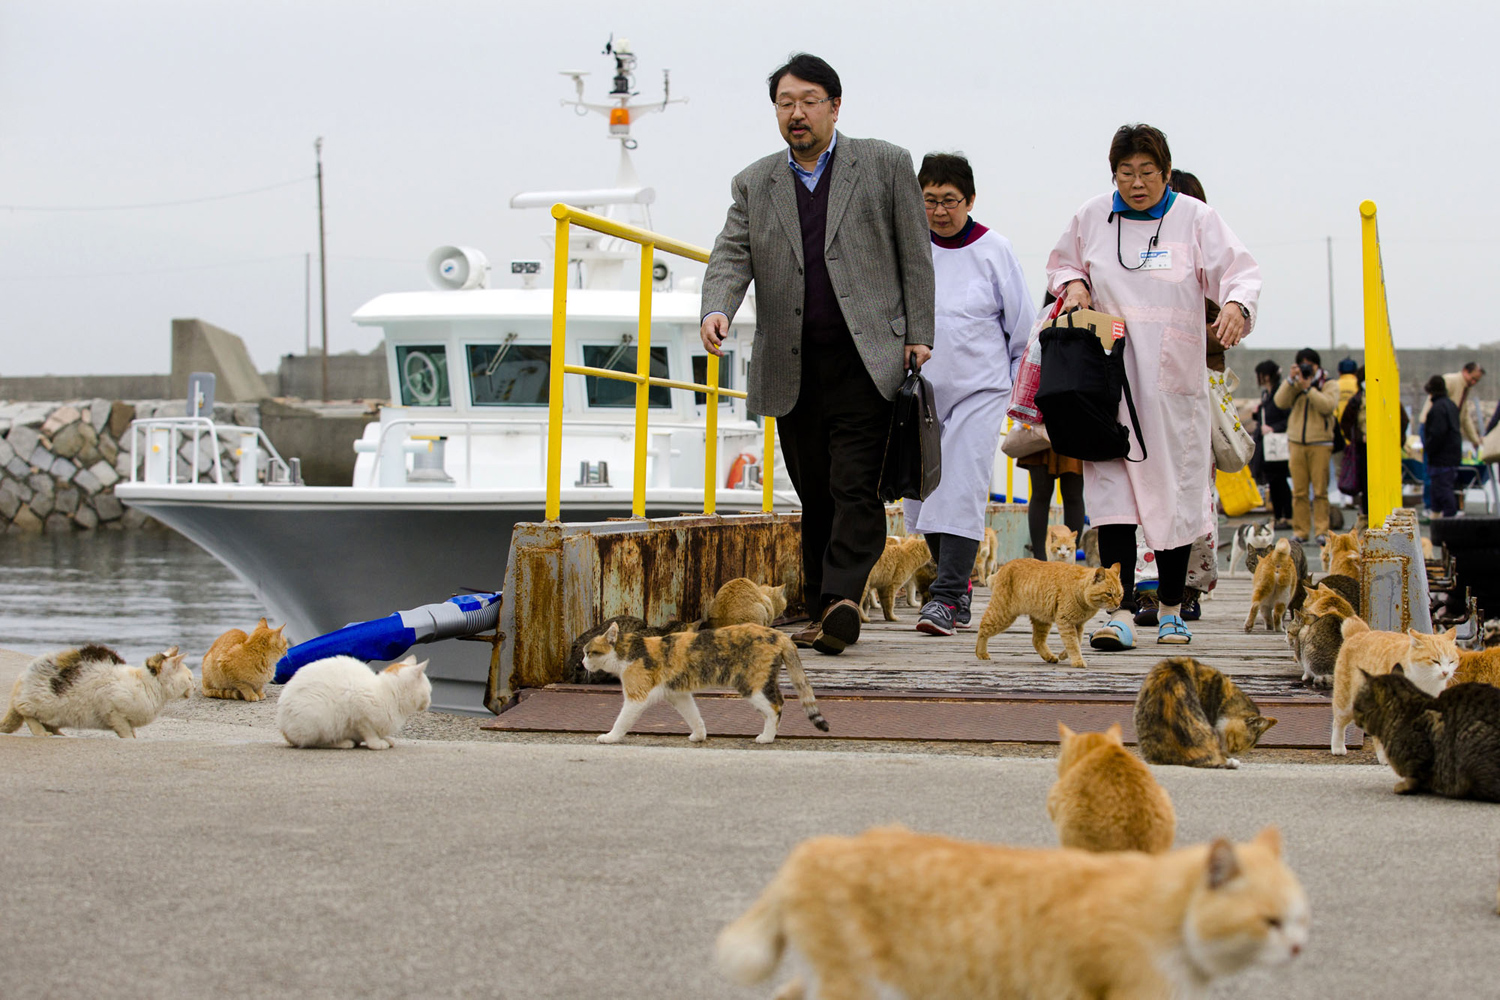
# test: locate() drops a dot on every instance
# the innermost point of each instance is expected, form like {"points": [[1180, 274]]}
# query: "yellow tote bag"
{"points": [[1237, 492]]}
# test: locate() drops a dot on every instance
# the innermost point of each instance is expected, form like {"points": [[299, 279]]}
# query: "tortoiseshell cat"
{"points": [[747, 658], [742, 601], [893, 913], [1189, 713], [1448, 745]]}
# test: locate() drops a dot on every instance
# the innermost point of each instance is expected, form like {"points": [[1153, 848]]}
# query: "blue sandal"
{"points": [[1113, 636], [1173, 631]]}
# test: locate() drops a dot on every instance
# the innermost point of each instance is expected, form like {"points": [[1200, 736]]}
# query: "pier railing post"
{"points": [[643, 387], [1382, 382], [559, 358]]}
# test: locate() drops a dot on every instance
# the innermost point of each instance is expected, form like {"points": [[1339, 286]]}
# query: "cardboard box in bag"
{"points": [[1106, 327]]}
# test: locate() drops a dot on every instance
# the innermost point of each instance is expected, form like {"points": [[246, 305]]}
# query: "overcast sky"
{"points": [[434, 114]]}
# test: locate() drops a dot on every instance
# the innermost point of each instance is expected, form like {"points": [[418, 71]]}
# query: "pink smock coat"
{"points": [[1165, 344]]}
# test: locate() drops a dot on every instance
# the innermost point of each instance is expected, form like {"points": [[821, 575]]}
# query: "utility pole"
{"points": [[1332, 345], [322, 267], [307, 303]]}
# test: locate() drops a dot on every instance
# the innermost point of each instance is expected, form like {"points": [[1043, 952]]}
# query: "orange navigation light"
{"points": [[619, 116]]}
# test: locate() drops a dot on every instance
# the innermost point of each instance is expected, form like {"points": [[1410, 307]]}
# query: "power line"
{"points": [[73, 276], [153, 204]]}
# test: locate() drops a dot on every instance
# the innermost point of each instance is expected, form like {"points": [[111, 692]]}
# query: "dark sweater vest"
{"points": [[822, 321]]}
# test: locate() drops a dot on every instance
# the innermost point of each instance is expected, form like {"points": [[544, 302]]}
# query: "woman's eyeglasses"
{"points": [[948, 204]]}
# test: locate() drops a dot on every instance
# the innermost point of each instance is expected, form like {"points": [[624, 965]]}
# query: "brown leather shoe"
{"points": [[805, 638], [840, 628]]}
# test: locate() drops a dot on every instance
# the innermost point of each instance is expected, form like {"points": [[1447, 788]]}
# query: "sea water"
{"points": [[135, 591]]}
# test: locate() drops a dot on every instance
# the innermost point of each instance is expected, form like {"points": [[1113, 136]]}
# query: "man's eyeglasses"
{"points": [[949, 203], [808, 105]]}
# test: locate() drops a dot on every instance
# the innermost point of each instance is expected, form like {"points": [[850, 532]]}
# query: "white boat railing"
{"points": [[163, 436], [495, 426]]}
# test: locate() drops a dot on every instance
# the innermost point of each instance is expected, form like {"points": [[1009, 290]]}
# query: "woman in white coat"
{"points": [[1152, 257], [984, 314]]}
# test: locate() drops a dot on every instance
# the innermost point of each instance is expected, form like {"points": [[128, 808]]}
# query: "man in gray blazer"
{"points": [[834, 234]]}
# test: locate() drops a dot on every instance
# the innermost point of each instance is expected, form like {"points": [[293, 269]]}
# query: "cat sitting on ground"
{"points": [[1048, 593], [1481, 666], [1105, 799], [92, 688], [1315, 640], [742, 601], [339, 701], [893, 913], [1188, 713], [1275, 578], [1062, 544], [239, 665], [1430, 662], [747, 658], [1346, 587], [893, 570], [1324, 600], [1341, 554], [986, 560], [1449, 745]]}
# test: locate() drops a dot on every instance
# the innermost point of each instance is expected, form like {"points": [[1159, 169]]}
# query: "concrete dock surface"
{"points": [[208, 859]]}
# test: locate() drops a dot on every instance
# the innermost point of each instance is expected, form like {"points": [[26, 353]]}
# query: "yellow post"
{"points": [[1010, 469], [711, 437], [555, 376], [768, 466], [1382, 381], [643, 387]]}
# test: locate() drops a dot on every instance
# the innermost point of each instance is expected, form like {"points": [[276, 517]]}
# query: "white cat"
{"points": [[340, 701], [1248, 536], [93, 688]]}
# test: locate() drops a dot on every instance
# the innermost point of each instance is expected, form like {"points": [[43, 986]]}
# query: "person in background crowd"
{"points": [[1444, 446], [1348, 384], [1459, 383], [1271, 419], [1311, 397], [984, 315], [1151, 256]]}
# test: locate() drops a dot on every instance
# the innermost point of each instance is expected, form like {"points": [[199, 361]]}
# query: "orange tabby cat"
{"points": [[742, 601], [986, 560], [1275, 579], [1048, 592], [1430, 662], [1062, 544], [893, 570], [1341, 554], [1482, 665], [239, 665], [894, 913], [1105, 798], [1323, 600]]}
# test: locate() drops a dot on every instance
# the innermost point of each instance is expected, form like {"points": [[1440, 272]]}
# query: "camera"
{"points": [[1307, 370]]}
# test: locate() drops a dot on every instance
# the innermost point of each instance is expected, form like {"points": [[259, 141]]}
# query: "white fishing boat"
{"points": [[460, 455]]}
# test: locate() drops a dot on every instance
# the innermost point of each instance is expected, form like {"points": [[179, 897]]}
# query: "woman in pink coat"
{"points": [[1145, 253]]}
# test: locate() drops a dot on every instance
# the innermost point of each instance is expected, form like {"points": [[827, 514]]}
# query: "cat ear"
{"points": [[281, 628], [1260, 724], [420, 668], [407, 661], [1064, 731], [1115, 570], [171, 651], [1222, 864], [613, 634], [1367, 674], [1116, 734], [1398, 670], [1101, 574], [263, 622], [1270, 839], [1451, 634]]}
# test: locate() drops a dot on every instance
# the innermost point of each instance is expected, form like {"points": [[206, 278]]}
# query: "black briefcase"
{"points": [[1079, 394], [913, 463]]}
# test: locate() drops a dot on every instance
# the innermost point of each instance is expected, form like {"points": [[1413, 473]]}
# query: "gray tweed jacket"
{"points": [[879, 255]]}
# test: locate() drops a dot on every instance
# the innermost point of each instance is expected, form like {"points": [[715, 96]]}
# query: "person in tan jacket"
{"points": [[1312, 397], [1460, 385]]}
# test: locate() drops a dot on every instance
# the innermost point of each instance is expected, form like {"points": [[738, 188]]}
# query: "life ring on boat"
{"points": [[737, 470]]}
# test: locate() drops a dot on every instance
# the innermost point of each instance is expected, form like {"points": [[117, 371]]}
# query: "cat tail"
{"points": [[11, 722], [749, 949], [804, 689]]}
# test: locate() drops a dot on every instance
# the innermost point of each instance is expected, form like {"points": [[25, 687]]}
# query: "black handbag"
{"points": [[1079, 395], [913, 463]]}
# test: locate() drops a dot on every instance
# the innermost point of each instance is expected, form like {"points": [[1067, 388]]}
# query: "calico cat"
{"points": [[1341, 554], [1346, 587], [747, 658], [902, 558], [1315, 640], [239, 665], [1188, 713], [1048, 592], [1062, 544], [1275, 578], [93, 688], [1324, 600], [985, 560], [1449, 744], [892, 913], [742, 601], [1481, 666], [339, 702], [576, 673], [1105, 799], [1430, 662]]}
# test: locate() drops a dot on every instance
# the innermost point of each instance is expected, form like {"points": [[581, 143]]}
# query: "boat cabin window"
{"points": [[423, 371], [621, 358], [509, 374], [726, 377]]}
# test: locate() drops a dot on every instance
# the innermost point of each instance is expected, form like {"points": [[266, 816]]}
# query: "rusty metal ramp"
{"points": [[865, 715]]}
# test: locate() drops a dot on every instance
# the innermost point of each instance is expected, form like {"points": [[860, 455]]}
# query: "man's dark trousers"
{"points": [[834, 441]]}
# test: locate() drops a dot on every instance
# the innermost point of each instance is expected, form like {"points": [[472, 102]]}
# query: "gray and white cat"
{"points": [[339, 701], [1250, 536], [1315, 642], [93, 688]]}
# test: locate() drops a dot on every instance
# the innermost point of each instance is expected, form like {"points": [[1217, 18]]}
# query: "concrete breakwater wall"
{"points": [[60, 461]]}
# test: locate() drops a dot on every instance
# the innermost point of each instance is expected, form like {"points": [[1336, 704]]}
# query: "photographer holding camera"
{"points": [[1312, 397]]}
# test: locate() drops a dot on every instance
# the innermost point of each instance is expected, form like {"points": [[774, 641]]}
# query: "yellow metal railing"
{"points": [[1382, 381], [649, 243]]}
